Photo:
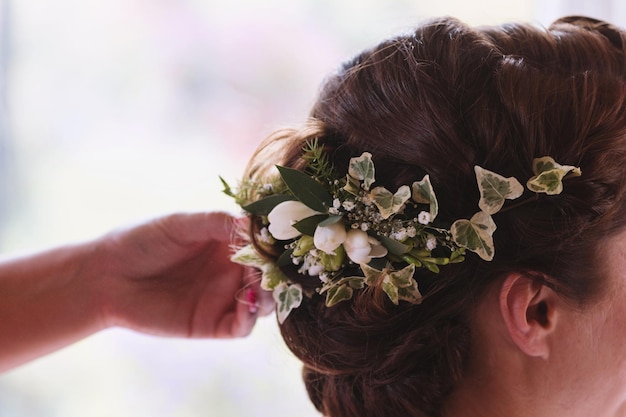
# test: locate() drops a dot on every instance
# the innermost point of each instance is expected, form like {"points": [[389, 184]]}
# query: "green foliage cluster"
{"points": [[402, 227]]}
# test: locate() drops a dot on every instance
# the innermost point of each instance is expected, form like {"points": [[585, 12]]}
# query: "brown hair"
{"points": [[439, 101]]}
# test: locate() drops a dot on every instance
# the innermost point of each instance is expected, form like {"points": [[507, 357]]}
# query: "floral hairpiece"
{"points": [[326, 225]]}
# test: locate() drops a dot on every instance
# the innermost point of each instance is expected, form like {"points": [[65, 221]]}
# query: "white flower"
{"points": [[361, 248], [311, 264], [431, 242], [365, 227], [411, 231], [423, 217], [328, 238], [265, 236], [284, 215], [348, 205], [400, 235], [336, 203], [316, 269]]}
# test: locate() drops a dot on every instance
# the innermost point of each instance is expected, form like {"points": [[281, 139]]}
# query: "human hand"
{"points": [[173, 277]]}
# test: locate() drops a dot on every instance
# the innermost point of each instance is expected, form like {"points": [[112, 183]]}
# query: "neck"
{"points": [[479, 398], [524, 390]]}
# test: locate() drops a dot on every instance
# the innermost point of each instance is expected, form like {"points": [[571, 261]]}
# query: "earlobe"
{"points": [[529, 311]]}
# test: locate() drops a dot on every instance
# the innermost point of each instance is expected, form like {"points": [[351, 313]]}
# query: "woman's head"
{"points": [[439, 101]]}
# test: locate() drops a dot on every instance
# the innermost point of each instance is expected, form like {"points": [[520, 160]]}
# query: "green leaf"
{"points": [[549, 175], [249, 256], [404, 277], [303, 245], [353, 186], [263, 206], [306, 189], [337, 294], [393, 282], [398, 285], [356, 283], [495, 189], [475, 234], [412, 260], [411, 294], [393, 246], [362, 169], [272, 277], [372, 275], [341, 290], [330, 220], [423, 193], [285, 258], [227, 189], [307, 225], [333, 261], [389, 204], [287, 297], [391, 291], [431, 267]]}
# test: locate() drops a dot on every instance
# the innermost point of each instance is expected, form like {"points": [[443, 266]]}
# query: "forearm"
{"points": [[47, 301]]}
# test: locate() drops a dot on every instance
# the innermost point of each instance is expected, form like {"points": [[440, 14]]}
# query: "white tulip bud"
{"points": [[328, 238], [361, 248], [284, 215]]}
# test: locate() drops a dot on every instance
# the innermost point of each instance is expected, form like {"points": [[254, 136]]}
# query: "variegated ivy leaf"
{"points": [[475, 234], [411, 293], [423, 193], [271, 275], [362, 169], [248, 256], [287, 297], [398, 285], [549, 175], [342, 290], [387, 203], [353, 186], [495, 189], [338, 294]]}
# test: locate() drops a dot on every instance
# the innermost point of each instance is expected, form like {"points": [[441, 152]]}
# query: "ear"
{"points": [[530, 312]]}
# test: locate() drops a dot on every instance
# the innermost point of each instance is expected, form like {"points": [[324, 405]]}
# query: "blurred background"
{"points": [[114, 111]]}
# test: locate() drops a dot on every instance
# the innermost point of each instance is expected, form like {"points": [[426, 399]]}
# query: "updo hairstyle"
{"points": [[439, 101]]}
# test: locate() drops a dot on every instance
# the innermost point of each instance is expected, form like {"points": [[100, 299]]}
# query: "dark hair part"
{"points": [[439, 101]]}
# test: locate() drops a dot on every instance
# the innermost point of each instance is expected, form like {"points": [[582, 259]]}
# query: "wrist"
{"points": [[100, 277]]}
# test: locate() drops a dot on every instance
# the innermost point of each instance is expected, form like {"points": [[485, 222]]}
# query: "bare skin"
{"points": [[537, 354], [169, 277]]}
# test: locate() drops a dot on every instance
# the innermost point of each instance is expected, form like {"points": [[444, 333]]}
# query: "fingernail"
{"points": [[251, 300]]}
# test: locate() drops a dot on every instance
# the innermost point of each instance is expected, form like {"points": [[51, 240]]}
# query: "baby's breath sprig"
{"points": [[325, 225]]}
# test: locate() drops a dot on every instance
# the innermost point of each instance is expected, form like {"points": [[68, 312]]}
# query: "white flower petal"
{"points": [[328, 238], [284, 215], [423, 217], [316, 269], [357, 246]]}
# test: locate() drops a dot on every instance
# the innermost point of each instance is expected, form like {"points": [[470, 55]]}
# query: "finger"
{"points": [[199, 227], [263, 300], [237, 323]]}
